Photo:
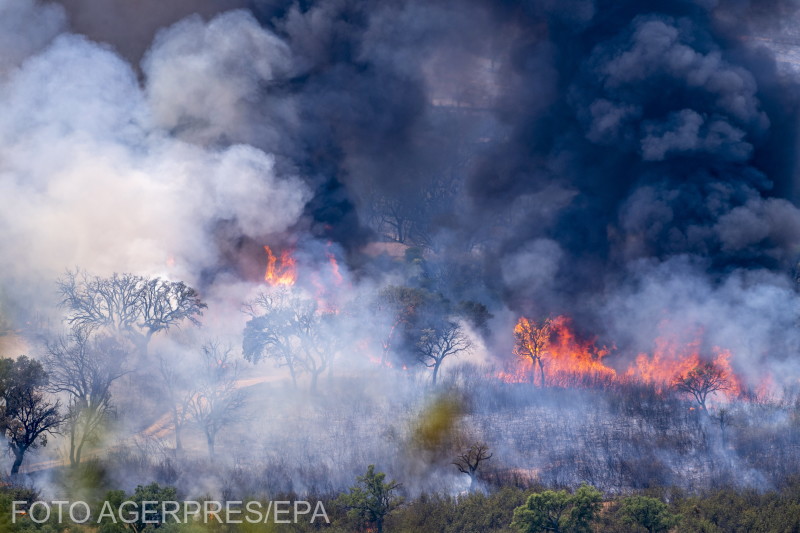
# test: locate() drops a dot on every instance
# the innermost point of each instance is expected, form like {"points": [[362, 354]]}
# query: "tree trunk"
{"points": [[210, 441], [292, 373], [72, 444], [19, 455], [79, 451], [541, 371], [76, 457], [176, 423], [436, 371], [314, 379]]}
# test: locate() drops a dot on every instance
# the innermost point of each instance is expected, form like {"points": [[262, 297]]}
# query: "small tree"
{"points": [[372, 499], [27, 416], [530, 343], [701, 381], [84, 366], [440, 341], [294, 330], [470, 461], [650, 513], [216, 401], [178, 392], [558, 511]]}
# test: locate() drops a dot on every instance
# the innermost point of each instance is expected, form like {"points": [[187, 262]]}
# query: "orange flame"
{"points": [[671, 360], [337, 275], [280, 273], [564, 356], [568, 360]]}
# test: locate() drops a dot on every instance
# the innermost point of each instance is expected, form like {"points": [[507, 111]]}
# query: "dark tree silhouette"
{"points": [[701, 381], [293, 330], [470, 461], [531, 342], [27, 416], [440, 341]]}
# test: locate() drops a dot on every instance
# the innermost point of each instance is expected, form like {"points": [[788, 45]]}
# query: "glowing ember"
{"points": [[281, 272]]}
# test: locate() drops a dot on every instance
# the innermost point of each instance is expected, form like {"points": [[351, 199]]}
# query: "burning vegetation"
{"points": [[551, 348], [282, 270], [303, 224]]}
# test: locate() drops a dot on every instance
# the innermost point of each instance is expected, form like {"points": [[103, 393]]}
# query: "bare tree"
{"points": [[27, 416], [179, 394], [531, 343], [84, 365], [701, 381], [470, 461], [440, 341], [293, 330], [217, 399], [126, 304]]}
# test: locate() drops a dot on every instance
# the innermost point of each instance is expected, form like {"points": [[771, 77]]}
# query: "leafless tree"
{"points": [[701, 381], [84, 365], [470, 461], [179, 394], [217, 400], [531, 343], [293, 330], [440, 341], [126, 304]]}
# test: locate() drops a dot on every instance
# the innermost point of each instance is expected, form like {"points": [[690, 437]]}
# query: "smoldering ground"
{"points": [[630, 165]]}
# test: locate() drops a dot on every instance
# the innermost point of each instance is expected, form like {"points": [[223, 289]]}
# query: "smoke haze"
{"points": [[629, 164]]}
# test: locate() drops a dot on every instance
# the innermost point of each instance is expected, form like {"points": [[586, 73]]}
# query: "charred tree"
{"points": [[439, 342], [531, 343], [470, 461], [701, 381]]}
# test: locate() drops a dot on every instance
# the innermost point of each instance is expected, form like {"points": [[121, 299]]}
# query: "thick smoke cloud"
{"points": [[629, 164], [129, 27], [26, 28], [92, 179]]}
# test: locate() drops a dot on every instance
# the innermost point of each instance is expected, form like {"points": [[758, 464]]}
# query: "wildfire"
{"points": [[552, 351], [670, 360], [280, 272], [337, 275]]}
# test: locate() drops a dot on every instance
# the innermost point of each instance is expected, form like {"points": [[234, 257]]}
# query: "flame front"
{"points": [[560, 356], [281, 272], [553, 351]]}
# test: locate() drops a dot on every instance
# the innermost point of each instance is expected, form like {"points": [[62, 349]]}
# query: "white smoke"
{"points": [[89, 175]]}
